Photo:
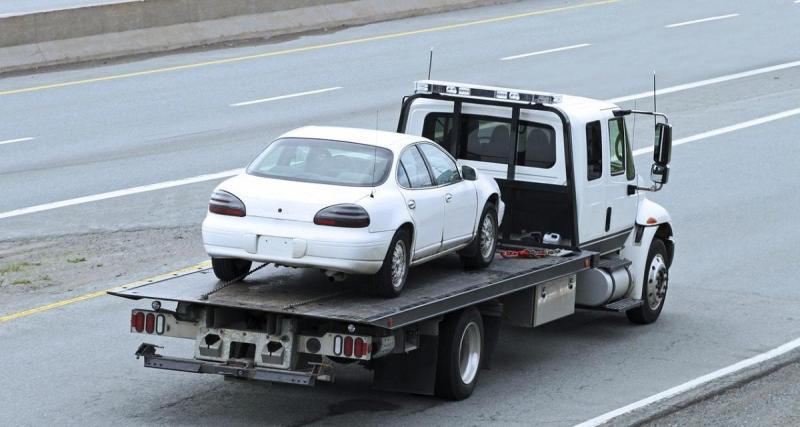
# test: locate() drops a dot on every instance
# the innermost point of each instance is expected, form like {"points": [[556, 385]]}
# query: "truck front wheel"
{"points": [[460, 354], [654, 288]]}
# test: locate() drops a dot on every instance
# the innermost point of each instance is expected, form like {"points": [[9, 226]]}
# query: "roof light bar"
{"points": [[476, 91]]}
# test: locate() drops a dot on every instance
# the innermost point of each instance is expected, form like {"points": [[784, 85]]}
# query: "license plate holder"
{"points": [[275, 246]]}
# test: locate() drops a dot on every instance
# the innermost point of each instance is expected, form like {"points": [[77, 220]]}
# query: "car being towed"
{"points": [[352, 201]]}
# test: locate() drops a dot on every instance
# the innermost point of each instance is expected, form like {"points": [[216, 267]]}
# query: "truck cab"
{"points": [[566, 172]]}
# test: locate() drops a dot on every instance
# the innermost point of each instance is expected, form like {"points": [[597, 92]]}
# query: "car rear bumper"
{"points": [[346, 250]]}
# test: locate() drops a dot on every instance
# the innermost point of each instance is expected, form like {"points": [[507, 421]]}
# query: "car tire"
{"points": [[480, 252], [654, 288], [461, 345], [391, 278], [230, 268]]}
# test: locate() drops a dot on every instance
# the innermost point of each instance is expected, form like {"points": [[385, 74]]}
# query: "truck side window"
{"points": [[594, 151], [439, 129], [536, 145], [487, 140], [617, 145]]}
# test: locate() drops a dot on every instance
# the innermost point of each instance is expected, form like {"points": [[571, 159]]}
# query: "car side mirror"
{"points": [[662, 147], [468, 173]]}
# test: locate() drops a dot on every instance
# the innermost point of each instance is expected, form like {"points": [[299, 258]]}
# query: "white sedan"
{"points": [[352, 201]]}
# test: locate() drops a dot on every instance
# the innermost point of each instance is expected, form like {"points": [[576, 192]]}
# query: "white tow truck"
{"points": [[578, 233]]}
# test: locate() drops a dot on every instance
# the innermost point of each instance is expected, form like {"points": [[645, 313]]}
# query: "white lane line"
{"points": [[201, 178], [541, 52], [11, 141], [726, 129], [291, 95], [697, 21], [120, 193], [689, 385], [707, 82]]}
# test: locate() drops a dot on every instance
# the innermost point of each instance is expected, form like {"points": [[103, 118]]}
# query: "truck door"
{"points": [[424, 201], [621, 211]]}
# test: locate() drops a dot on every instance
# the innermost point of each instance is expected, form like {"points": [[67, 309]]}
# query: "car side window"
{"points": [[594, 151], [414, 166], [443, 167], [402, 176]]}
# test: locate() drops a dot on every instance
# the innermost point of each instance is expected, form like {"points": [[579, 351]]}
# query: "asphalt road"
{"points": [[733, 199], [15, 7]]}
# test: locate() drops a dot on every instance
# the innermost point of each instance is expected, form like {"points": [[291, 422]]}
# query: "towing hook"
{"points": [[146, 350]]}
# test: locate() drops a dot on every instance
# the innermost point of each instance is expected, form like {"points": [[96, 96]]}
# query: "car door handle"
{"points": [[448, 197], [412, 204]]}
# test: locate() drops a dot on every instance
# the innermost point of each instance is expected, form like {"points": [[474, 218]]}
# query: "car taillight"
{"points": [[348, 346], [137, 321], [225, 203], [150, 323], [346, 215]]}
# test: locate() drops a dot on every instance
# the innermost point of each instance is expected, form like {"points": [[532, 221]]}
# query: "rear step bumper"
{"points": [[308, 377]]}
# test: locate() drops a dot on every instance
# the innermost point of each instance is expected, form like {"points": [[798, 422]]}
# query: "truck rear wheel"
{"points": [[230, 268], [654, 288], [460, 354]]}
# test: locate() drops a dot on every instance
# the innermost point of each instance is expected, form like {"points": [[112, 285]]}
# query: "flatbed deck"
{"points": [[432, 289]]}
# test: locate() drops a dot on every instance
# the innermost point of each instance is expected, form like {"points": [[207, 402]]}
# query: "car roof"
{"points": [[391, 140]]}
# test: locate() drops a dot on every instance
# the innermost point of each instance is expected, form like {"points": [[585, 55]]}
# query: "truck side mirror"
{"points": [[662, 147], [468, 173]]}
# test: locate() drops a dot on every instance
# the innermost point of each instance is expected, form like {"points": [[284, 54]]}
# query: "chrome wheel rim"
{"points": [[657, 281], [487, 237], [469, 353], [399, 264]]}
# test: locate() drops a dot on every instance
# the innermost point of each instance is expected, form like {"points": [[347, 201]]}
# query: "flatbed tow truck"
{"points": [[577, 233]]}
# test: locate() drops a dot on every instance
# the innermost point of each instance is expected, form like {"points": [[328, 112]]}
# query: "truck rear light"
{"points": [[224, 203], [348, 346], [359, 348], [344, 215], [137, 321], [150, 323]]}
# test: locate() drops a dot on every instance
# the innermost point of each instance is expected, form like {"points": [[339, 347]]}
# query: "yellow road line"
{"points": [[306, 48], [91, 295]]}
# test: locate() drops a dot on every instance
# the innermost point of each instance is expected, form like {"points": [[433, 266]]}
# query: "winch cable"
{"points": [[224, 285]]}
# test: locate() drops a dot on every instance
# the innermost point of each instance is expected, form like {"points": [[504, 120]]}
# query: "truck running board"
{"points": [[619, 306], [306, 377]]}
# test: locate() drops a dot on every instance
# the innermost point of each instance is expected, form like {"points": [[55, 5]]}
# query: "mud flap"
{"points": [[413, 372]]}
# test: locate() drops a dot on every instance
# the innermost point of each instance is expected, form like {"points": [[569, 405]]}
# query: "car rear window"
{"points": [[323, 161]]}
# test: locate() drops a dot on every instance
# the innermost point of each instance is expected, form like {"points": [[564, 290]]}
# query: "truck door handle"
{"points": [[448, 197], [412, 204]]}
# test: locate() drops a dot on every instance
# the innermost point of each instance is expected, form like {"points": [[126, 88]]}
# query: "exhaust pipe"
{"points": [[335, 276]]}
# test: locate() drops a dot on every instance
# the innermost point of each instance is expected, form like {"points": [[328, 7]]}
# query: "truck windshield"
{"points": [[323, 161]]}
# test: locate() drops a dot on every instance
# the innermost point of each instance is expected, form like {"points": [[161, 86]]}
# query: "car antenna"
{"points": [[375, 153], [430, 63]]}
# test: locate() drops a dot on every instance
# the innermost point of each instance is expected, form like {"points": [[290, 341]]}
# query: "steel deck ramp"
{"points": [[432, 289]]}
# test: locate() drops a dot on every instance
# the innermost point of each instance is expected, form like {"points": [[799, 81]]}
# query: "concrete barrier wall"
{"points": [[147, 26]]}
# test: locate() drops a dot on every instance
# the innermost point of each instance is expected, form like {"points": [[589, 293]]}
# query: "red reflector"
{"points": [[348, 346], [137, 321], [150, 323], [359, 348]]}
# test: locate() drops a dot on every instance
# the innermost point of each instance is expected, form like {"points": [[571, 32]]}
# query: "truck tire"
{"points": [[480, 252], [230, 268], [654, 288], [461, 345], [391, 278]]}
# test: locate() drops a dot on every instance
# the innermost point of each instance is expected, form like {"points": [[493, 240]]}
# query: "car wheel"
{"points": [[230, 268], [460, 354], [480, 252], [391, 278], [654, 288]]}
